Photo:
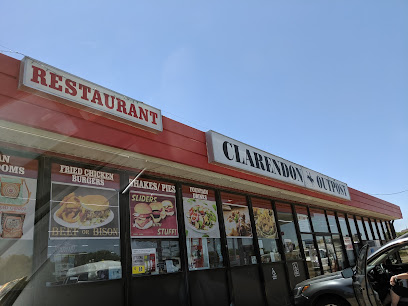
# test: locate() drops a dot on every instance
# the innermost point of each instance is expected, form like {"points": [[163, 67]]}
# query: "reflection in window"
{"points": [[339, 251], [348, 243], [374, 227], [303, 219], [318, 220], [312, 260], [72, 261], [368, 228], [380, 229], [332, 222], [287, 228], [324, 256], [361, 228], [266, 230], [155, 256], [238, 230]]}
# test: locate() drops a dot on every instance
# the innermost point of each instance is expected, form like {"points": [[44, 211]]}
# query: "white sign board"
{"points": [[225, 151], [66, 88]]}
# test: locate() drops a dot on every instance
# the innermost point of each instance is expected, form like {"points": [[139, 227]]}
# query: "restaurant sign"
{"points": [[225, 151], [66, 88]]}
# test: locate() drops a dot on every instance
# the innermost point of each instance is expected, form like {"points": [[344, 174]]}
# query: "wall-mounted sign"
{"points": [[18, 184], [84, 203], [228, 152], [66, 88], [152, 209]]}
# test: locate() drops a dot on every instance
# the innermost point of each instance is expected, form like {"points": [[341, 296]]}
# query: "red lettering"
{"points": [[70, 87], [39, 73], [154, 117], [85, 91], [132, 111], [107, 101], [97, 98], [54, 81], [121, 106], [143, 113]]}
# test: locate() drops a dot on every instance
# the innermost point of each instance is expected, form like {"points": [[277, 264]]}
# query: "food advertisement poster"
{"points": [[237, 221], [152, 209], [200, 213], [18, 187], [265, 223], [84, 203]]}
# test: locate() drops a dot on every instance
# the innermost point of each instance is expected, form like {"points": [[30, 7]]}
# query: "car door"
{"points": [[365, 295]]}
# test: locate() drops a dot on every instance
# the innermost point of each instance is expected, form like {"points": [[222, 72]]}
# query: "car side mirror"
{"points": [[347, 273]]}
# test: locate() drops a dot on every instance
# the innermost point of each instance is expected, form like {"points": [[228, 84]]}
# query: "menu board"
{"points": [[152, 209], [18, 186], [237, 221], [84, 203], [265, 223], [200, 213]]}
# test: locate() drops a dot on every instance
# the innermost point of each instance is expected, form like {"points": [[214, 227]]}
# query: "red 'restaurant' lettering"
{"points": [[97, 98], [121, 106], [71, 90], [143, 113], [39, 73], [154, 117], [54, 81], [132, 111], [107, 101], [85, 91]]}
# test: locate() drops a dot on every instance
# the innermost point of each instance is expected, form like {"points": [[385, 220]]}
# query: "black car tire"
{"points": [[333, 300]]}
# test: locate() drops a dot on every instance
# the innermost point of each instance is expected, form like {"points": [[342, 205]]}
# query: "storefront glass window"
{"points": [[332, 222], [312, 260], [153, 227], [331, 254], [202, 228], [266, 230], [18, 186], [348, 242], [374, 227], [323, 252], [339, 251], [84, 242], [319, 220], [380, 229], [288, 231], [386, 233], [361, 228], [353, 229], [389, 229], [238, 229], [303, 219], [368, 228]]}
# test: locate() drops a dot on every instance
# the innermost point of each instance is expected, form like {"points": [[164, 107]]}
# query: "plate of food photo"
{"points": [[83, 212], [201, 217]]}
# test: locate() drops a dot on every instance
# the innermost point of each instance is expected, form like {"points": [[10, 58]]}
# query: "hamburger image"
{"points": [[168, 207], [143, 216], [95, 209], [158, 211]]}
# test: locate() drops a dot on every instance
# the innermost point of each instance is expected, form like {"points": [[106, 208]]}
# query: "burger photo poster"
{"points": [[84, 203], [200, 213], [152, 209]]}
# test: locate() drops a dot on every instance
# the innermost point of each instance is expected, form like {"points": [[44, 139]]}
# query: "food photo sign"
{"points": [[18, 186], [152, 209], [237, 221], [84, 203], [200, 213], [265, 223]]}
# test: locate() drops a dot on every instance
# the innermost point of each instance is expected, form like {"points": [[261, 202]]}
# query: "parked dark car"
{"points": [[365, 284]]}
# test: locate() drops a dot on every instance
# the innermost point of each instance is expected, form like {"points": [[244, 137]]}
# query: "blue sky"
{"points": [[321, 83]]}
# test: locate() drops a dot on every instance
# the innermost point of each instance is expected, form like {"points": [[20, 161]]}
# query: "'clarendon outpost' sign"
{"points": [[232, 153], [46, 80]]}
